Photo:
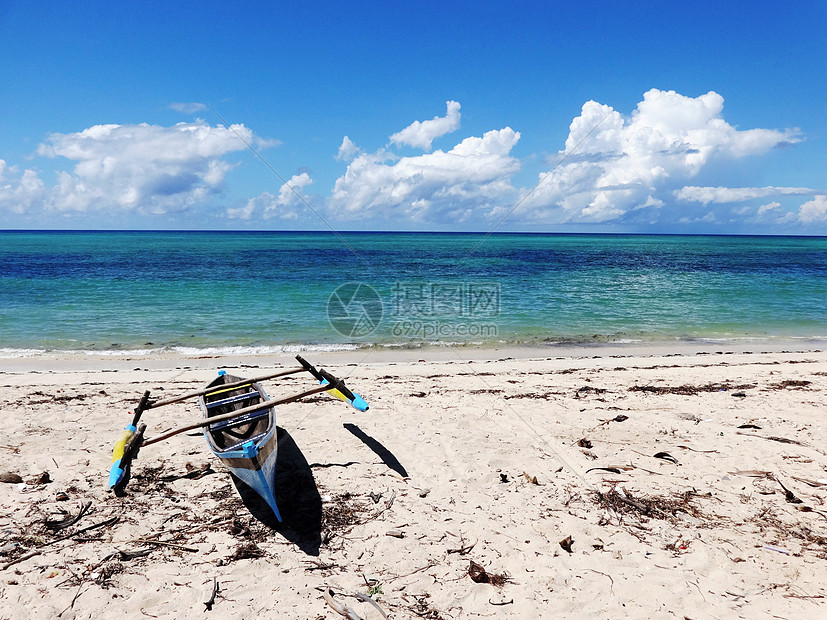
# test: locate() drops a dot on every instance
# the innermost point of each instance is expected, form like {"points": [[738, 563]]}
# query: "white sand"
{"points": [[443, 450]]}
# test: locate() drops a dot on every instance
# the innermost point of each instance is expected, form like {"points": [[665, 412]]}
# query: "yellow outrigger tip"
{"points": [[340, 391]]}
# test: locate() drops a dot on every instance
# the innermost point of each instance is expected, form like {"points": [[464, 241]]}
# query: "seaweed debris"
{"points": [[690, 390], [587, 389], [340, 515], [656, 507], [789, 383], [246, 551], [422, 609], [479, 575]]}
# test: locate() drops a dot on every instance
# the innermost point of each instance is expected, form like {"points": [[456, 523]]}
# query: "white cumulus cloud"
{"points": [[437, 186], [614, 164], [285, 206], [19, 191], [347, 151], [244, 213], [143, 168], [420, 134], [814, 210], [767, 208]]}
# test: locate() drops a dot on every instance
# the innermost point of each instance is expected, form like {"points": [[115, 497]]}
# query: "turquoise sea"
{"points": [[273, 291]]}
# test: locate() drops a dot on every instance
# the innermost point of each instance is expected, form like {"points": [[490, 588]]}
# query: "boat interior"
{"points": [[230, 434]]}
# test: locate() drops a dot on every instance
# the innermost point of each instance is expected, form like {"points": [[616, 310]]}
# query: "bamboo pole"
{"points": [[266, 404], [201, 392]]}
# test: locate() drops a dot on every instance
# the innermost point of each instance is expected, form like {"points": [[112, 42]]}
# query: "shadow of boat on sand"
{"points": [[297, 497]]}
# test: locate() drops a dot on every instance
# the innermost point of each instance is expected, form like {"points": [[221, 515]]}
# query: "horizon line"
{"points": [[399, 232]]}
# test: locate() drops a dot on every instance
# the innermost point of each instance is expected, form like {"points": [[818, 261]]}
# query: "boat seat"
{"points": [[242, 419], [232, 399], [238, 445]]}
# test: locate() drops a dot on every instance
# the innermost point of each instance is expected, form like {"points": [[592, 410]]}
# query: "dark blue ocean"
{"points": [[273, 291]]}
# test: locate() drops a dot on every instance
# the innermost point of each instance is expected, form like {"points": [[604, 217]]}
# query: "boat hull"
{"points": [[247, 446]]}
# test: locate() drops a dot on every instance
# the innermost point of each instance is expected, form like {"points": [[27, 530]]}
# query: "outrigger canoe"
{"points": [[239, 422], [246, 444]]}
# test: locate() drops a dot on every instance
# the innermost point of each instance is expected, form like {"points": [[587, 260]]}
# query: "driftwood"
{"points": [[774, 438], [343, 610], [340, 608], [149, 541], [367, 599], [210, 594], [69, 520], [39, 550]]}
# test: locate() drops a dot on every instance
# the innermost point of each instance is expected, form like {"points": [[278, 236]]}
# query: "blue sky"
{"points": [[515, 116]]}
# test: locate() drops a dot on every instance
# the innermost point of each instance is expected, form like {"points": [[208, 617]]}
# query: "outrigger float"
{"points": [[239, 422]]}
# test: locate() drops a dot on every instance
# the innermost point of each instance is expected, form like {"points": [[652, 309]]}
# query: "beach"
{"points": [[591, 482]]}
